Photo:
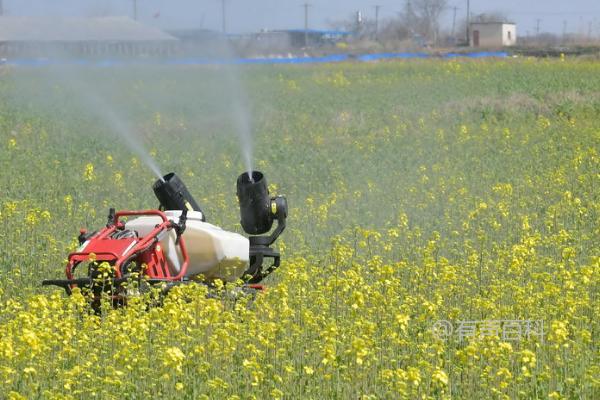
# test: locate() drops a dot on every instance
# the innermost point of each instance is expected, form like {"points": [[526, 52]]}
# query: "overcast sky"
{"points": [[253, 15]]}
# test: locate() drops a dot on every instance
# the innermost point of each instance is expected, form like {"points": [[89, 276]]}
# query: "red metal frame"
{"points": [[146, 249]]}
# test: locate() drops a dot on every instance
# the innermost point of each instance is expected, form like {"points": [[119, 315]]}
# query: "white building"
{"points": [[492, 34]]}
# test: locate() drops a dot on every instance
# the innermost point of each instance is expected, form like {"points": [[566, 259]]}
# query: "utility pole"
{"points": [[564, 35], [306, 7], [224, 16], [537, 27], [468, 22], [1, 9], [377, 8], [454, 20], [135, 16]]}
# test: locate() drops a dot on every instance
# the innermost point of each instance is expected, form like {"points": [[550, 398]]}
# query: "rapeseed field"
{"points": [[443, 237]]}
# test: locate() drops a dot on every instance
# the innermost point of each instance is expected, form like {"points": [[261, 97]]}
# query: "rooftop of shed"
{"points": [[78, 29]]}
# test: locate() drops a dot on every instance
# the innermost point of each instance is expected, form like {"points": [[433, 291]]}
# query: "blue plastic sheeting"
{"points": [[481, 54], [389, 56], [298, 60], [257, 61], [321, 32], [241, 61]]}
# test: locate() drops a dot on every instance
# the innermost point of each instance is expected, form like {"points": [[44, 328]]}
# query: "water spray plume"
{"points": [[87, 92], [241, 117], [128, 134], [93, 102], [238, 104]]}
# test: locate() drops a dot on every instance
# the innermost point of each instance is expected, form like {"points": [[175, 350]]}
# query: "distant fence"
{"points": [[335, 58]]}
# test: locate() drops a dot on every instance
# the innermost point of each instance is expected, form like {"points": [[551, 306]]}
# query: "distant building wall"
{"points": [[509, 34], [492, 34], [85, 49], [50, 37]]}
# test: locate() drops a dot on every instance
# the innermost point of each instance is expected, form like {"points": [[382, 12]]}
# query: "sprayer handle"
{"points": [[140, 213]]}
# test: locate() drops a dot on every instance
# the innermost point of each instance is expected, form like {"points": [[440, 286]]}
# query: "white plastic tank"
{"points": [[213, 252]]}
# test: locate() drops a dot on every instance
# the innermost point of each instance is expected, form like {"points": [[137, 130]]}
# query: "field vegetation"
{"points": [[419, 192]]}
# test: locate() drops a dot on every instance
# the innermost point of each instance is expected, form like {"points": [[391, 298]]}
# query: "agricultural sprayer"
{"points": [[174, 244]]}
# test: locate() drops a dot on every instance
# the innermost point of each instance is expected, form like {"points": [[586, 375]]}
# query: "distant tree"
{"points": [[424, 17], [407, 23], [395, 29], [493, 16], [361, 28], [418, 21]]}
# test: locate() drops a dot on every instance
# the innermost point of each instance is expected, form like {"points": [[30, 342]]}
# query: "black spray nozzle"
{"points": [[258, 210], [253, 195], [172, 194]]}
